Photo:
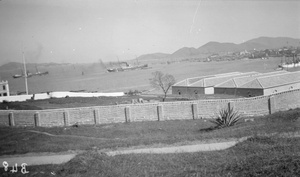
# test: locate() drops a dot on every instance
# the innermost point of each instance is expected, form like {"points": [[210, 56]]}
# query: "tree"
{"points": [[162, 81]]}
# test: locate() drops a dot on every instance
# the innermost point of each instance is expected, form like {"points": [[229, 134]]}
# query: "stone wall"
{"points": [[254, 106]]}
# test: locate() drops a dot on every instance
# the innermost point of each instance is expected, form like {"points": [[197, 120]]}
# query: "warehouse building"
{"points": [[204, 84], [267, 85], [233, 86], [249, 84]]}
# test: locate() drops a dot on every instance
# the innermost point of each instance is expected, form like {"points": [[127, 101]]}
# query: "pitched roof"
{"points": [[241, 80], [181, 83], [227, 84], [274, 80], [190, 81], [209, 82], [195, 79]]}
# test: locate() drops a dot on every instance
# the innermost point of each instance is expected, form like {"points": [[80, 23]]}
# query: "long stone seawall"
{"points": [[197, 109]]}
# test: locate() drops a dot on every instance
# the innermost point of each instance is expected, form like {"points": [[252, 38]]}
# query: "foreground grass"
{"points": [[19, 140], [258, 156]]}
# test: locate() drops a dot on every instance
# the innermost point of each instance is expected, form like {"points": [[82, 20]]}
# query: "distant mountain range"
{"points": [[19, 66], [188, 52], [217, 47]]}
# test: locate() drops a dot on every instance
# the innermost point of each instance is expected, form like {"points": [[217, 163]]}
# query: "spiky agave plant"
{"points": [[227, 117]]}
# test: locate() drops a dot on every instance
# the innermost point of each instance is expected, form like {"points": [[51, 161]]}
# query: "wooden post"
{"points": [[272, 107], [127, 114], [37, 121], [11, 119], [97, 116], [230, 104], [195, 110], [66, 118], [160, 114]]}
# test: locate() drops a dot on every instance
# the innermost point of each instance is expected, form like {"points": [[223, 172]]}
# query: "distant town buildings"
{"points": [[292, 52]]}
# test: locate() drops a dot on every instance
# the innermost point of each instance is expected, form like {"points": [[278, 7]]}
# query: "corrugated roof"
{"points": [[196, 79], [209, 82], [227, 84], [241, 80], [198, 84], [190, 81], [252, 84], [226, 74], [181, 83], [274, 80]]}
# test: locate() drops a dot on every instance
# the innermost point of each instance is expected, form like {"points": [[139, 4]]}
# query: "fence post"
{"points": [[230, 104], [66, 118], [37, 121], [127, 114], [195, 110], [11, 119], [97, 116], [160, 114], [272, 104]]}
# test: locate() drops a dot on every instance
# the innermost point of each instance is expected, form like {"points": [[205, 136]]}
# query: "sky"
{"points": [[81, 31]]}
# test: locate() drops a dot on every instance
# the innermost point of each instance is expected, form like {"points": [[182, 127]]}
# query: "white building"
{"points": [[4, 88]]}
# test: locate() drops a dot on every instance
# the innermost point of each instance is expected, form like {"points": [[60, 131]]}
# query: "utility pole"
{"points": [[25, 72]]}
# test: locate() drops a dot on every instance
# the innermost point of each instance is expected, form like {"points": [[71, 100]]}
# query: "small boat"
{"points": [[16, 76]]}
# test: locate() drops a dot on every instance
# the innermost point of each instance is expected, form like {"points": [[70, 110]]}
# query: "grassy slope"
{"points": [[258, 156], [19, 140]]}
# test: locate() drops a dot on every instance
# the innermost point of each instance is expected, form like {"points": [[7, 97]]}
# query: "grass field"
{"points": [[70, 78], [258, 156], [255, 157]]}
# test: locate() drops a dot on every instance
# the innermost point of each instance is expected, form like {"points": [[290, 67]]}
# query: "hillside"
{"points": [[271, 43], [11, 66], [185, 52], [153, 56], [217, 47]]}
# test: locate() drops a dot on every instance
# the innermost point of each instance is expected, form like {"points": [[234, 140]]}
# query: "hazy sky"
{"points": [[87, 30]]}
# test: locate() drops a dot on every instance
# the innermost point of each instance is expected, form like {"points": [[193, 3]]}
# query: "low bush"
{"points": [[226, 118], [131, 92]]}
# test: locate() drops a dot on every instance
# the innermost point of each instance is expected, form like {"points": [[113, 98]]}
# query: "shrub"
{"points": [[132, 93], [226, 118]]}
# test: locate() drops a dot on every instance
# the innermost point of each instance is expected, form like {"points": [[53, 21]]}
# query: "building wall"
{"points": [[4, 88], [245, 92], [209, 90], [254, 106], [248, 92], [187, 91], [227, 91], [282, 88]]}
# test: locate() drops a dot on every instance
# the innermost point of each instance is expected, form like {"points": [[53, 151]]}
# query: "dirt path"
{"points": [[63, 157], [179, 149], [71, 136], [37, 159], [196, 147]]}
